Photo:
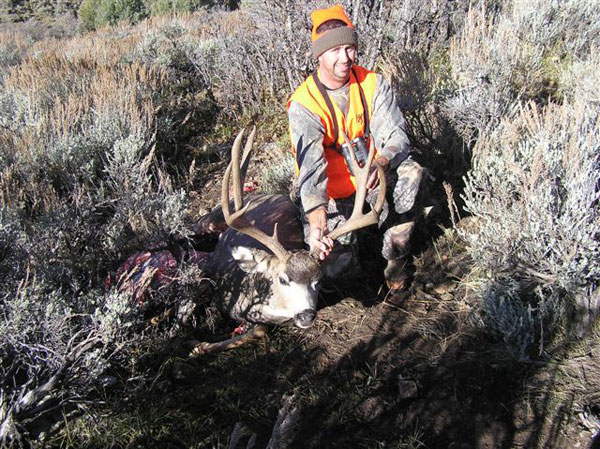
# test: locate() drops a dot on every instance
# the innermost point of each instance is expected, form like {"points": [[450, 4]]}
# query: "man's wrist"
{"points": [[316, 216], [317, 221], [322, 207], [394, 155], [383, 160]]}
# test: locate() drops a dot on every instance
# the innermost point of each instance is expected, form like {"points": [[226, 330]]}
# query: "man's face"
{"points": [[335, 63]]}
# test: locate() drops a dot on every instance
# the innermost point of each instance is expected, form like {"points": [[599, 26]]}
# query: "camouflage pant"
{"points": [[397, 223]]}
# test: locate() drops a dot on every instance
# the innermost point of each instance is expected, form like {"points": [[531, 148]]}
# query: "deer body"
{"points": [[254, 285], [262, 273]]}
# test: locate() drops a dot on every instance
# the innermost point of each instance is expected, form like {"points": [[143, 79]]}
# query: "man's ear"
{"points": [[251, 260]]}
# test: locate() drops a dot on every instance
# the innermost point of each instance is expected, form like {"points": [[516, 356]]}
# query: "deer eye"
{"points": [[283, 280], [314, 285]]}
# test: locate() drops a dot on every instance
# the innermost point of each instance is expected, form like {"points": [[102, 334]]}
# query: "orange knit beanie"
{"points": [[343, 35]]}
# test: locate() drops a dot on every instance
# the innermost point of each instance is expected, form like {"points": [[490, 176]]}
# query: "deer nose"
{"points": [[305, 318]]}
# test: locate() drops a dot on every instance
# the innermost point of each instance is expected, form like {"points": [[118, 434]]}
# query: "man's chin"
{"points": [[343, 74]]}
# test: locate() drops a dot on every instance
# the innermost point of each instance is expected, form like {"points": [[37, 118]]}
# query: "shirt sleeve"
{"points": [[307, 133], [388, 126]]}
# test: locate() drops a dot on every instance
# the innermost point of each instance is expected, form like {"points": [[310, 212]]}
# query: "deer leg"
{"points": [[257, 332]]}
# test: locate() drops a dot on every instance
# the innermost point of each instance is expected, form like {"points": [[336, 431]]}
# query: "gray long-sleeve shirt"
{"points": [[388, 129]]}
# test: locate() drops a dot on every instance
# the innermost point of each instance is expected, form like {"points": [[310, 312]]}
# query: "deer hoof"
{"points": [[197, 348]]}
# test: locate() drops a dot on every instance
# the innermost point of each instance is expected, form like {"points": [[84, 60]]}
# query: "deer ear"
{"points": [[251, 260]]}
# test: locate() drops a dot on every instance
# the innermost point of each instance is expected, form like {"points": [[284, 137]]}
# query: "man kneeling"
{"points": [[344, 98]]}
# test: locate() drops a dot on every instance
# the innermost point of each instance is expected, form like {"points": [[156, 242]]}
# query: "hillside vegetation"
{"points": [[109, 136]]}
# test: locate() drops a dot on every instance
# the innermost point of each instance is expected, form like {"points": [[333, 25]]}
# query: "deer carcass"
{"points": [[262, 272]]}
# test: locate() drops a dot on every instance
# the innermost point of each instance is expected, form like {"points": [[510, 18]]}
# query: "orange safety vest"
{"points": [[341, 183]]}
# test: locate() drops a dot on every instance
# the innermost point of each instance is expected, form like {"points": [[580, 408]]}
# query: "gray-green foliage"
{"points": [[579, 80], [537, 193], [491, 68], [158, 7], [53, 344], [169, 46], [523, 95], [508, 317], [513, 55], [9, 54], [278, 177], [81, 189], [534, 188], [54, 347], [15, 112], [30, 10], [56, 332], [13, 246], [151, 211], [572, 24], [231, 63]]}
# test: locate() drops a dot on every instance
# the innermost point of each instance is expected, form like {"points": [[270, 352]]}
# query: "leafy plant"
{"points": [[98, 13]]}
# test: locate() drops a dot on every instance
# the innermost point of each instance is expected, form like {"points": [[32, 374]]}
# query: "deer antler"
{"points": [[237, 220], [358, 219]]}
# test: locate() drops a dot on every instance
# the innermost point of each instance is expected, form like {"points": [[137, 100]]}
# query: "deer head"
{"points": [[294, 276]]}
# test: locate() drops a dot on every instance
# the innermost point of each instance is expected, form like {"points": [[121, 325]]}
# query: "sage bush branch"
{"points": [[534, 189]]}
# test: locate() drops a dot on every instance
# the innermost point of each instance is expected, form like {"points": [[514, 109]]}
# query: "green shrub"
{"points": [[87, 14], [160, 7], [113, 11], [98, 13]]}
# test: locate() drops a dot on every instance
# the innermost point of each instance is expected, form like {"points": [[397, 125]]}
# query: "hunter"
{"points": [[341, 95]]}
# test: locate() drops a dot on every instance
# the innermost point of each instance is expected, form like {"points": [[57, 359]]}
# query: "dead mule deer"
{"points": [[262, 272]]}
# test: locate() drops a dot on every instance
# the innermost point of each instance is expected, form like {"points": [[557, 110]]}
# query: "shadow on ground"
{"points": [[368, 374]]}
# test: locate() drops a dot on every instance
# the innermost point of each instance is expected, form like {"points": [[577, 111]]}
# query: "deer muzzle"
{"points": [[305, 318]]}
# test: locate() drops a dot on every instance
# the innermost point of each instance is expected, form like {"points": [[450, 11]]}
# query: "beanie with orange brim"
{"points": [[343, 35]]}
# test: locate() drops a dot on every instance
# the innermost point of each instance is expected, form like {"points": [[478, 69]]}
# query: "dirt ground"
{"points": [[369, 374]]}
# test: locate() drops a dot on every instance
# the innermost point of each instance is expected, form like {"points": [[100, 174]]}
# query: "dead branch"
{"points": [[285, 425]]}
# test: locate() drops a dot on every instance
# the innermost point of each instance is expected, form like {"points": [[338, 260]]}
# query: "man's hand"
{"points": [[317, 240], [373, 180]]}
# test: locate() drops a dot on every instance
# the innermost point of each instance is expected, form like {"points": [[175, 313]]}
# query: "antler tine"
{"points": [[247, 149], [237, 220], [235, 163], [358, 219], [240, 174]]}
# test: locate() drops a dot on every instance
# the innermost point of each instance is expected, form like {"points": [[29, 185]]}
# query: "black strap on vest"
{"points": [[325, 95]]}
